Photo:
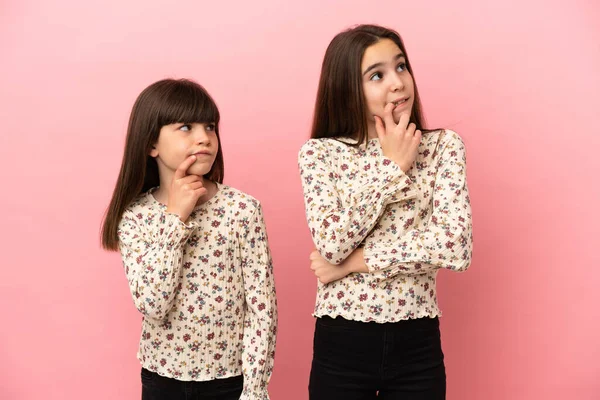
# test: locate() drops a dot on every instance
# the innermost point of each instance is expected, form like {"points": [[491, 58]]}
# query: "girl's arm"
{"points": [[446, 242], [337, 229], [260, 321], [153, 260]]}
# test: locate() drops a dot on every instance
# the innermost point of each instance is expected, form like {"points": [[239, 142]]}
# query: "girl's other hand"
{"points": [[327, 272], [399, 142], [185, 190]]}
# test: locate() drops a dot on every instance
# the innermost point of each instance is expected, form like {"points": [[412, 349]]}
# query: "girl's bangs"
{"points": [[188, 104]]}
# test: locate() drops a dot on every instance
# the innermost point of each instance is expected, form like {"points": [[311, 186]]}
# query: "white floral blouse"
{"points": [[410, 225], [205, 289]]}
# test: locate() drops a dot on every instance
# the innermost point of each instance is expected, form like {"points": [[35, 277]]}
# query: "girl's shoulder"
{"points": [[143, 211], [312, 144], [314, 148], [143, 203], [238, 198], [442, 134], [442, 138]]}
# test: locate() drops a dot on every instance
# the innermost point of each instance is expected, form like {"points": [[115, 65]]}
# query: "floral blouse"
{"points": [[410, 225], [205, 289]]}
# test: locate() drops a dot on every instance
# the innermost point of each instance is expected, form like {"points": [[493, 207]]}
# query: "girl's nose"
{"points": [[202, 135], [397, 83]]}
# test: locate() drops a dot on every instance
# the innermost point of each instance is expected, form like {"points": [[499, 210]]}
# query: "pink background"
{"points": [[518, 80]]}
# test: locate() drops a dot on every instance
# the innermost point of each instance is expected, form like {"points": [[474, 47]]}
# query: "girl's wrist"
{"points": [[175, 212], [357, 261]]}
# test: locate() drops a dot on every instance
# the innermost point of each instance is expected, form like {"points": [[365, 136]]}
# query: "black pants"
{"points": [[357, 360], [156, 387]]}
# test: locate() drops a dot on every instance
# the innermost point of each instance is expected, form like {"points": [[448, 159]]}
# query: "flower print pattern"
{"points": [[410, 225], [445, 241], [206, 289]]}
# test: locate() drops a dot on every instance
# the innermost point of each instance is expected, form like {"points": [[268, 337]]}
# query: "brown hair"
{"points": [[164, 102], [340, 109]]}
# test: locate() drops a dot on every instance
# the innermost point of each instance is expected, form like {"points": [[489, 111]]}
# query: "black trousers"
{"points": [[357, 360], [156, 387]]}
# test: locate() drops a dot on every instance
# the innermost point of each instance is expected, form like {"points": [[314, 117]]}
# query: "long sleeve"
{"points": [[447, 240], [260, 322], [338, 228], [152, 253]]}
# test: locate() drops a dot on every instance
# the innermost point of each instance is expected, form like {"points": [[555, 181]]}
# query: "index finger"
{"points": [[388, 117], [183, 167]]}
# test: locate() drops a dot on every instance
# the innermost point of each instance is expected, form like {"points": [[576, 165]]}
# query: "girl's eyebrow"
{"points": [[377, 65]]}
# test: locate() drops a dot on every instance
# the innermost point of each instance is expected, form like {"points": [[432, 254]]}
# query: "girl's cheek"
{"points": [[185, 148]]}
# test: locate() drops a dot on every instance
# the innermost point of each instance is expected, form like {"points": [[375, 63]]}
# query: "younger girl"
{"points": [[195, 253], [387, 205]]}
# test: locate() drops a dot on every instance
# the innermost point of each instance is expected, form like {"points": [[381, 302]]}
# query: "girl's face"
{"points": [[386, 80], [178, 141]]}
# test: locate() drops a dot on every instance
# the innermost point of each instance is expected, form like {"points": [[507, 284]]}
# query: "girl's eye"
{"points": [[185, 128], [401, 67], [375, 77], [211, 127]]}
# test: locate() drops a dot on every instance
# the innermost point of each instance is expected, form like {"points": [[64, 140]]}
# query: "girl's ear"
{"points": [[153, 152]]}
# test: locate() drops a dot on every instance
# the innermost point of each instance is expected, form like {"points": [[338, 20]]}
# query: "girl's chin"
{"points": [[199, 170]]}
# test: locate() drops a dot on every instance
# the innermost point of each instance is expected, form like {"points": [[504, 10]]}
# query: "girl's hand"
{"points": [[327, 272], [185, 190], [398, 142]]}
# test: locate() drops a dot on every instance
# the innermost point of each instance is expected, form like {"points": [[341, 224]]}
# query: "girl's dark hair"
{"points": [[165, 102], [340, 109]]}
